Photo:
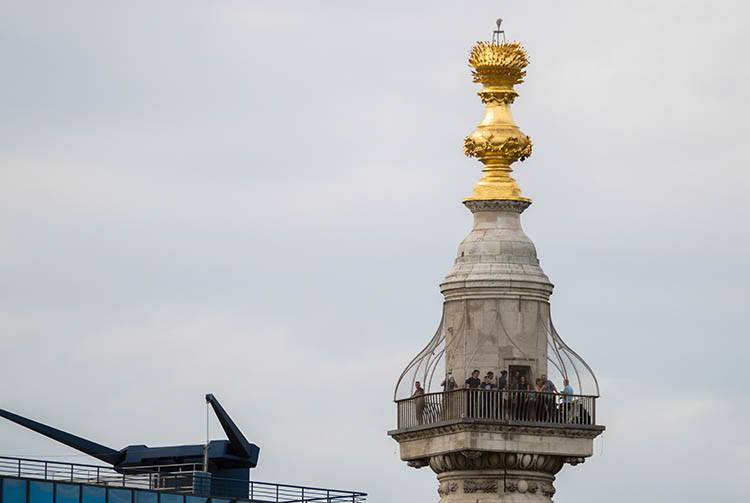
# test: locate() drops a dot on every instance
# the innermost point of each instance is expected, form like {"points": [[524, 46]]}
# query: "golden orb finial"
{"points": [[497, 142]]}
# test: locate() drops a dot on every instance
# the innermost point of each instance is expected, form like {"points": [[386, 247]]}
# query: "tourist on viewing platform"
{"points": [[419, 402], [545, 403], [566, 408], [567, 391], [520, 398], [450, 402], [538, 386], [449, 383], [502, 381], [534, 398], [515, 381], [489, 401], [549, 386], [523, 384], [473, 382], [489, 381]]}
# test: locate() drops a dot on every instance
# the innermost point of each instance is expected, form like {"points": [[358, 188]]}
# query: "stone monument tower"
{"points": [[500, 436]]}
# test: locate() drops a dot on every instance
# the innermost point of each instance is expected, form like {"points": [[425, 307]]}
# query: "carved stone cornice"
{"points": [[524, 486], [447, 488], [497, 205], [480, 486], [509, 461], [418, 463]]}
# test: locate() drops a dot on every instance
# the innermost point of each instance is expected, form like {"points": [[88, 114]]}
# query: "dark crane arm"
{"points": [[237, 440], [93, 449]]}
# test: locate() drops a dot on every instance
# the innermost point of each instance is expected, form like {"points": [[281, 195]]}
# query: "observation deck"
{"points": [[529, 408], [555, 427], [39, 481]]}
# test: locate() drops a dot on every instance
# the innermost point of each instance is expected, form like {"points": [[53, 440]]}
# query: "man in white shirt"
{"points": [[567, 391]]}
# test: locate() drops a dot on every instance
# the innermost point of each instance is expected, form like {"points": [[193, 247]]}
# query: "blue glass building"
{"points": [[34, 481], [215, 472]]}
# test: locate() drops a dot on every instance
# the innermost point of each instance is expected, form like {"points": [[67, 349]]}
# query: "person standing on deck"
{"points": [[473, 382], [502, 381], [449, 383], [567, 391], [419, 402], [548, 386]]}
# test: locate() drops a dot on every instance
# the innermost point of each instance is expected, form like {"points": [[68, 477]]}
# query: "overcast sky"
{"points": [[259, 199]]}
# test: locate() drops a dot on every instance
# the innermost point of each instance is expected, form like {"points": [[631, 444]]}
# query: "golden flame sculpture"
{"points": [[497, 142]]}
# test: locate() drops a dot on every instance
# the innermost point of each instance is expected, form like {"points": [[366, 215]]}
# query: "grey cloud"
{"points": [[258, 199]]}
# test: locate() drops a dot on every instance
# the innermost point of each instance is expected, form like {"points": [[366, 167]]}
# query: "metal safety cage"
{"points": [[428, 366]]}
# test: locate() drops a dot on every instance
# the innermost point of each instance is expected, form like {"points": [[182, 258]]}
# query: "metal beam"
{"points": [[93, 449], [237, 440]]}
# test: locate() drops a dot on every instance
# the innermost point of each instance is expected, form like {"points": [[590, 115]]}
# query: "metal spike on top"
{"points": [[496, 34]]}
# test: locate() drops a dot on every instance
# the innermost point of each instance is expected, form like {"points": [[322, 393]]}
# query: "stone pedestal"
{"points": [[495, 463]]}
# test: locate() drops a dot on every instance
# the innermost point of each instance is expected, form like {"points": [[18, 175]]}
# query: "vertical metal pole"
{"points": [[593, 410], [208, 434]]}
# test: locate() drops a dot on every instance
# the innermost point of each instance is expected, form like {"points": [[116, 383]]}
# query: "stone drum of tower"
{"points": [[496, 308], [500, 435]]}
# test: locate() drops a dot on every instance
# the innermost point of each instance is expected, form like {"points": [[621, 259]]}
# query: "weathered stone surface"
{"points": [[496, 315], [496, 297], [463, 437]]}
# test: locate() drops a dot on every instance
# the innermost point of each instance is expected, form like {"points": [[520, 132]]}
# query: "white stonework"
{"points": [[496, 315], [496, 296]]}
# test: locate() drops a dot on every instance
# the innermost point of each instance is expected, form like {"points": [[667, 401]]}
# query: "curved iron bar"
{"points": [[575, 369], [591, 371], [436, 361], [551, 336], [419, 356]]}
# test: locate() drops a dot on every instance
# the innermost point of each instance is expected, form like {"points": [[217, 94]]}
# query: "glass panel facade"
{"points": [[40, 492], [171, 498], [14, 491], [146, 497], [119, 496], [93, 494], [67, 493]]}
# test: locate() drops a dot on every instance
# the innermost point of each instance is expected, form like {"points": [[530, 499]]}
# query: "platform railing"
{"points": [[186, 479], [55, 470], [500, 406]]}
